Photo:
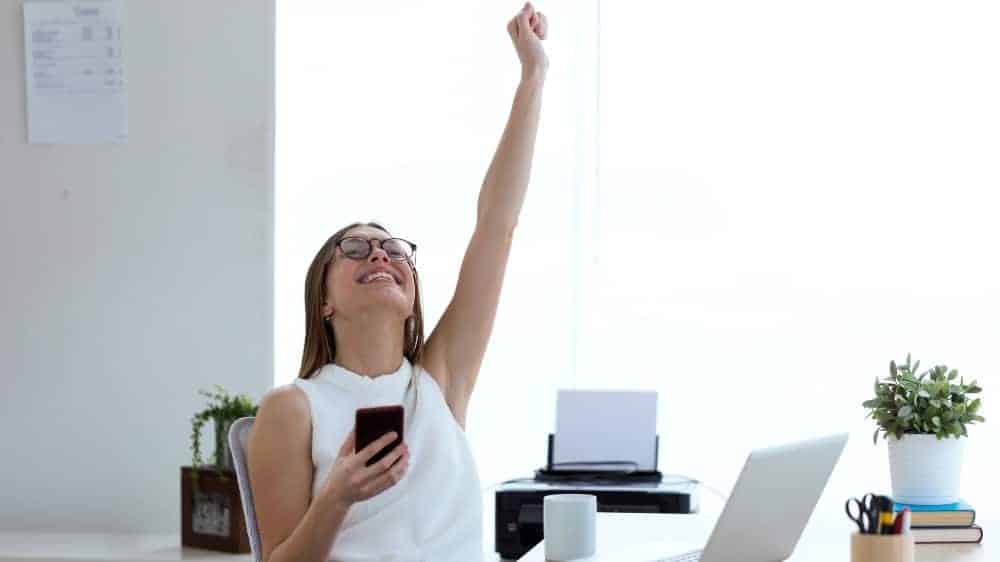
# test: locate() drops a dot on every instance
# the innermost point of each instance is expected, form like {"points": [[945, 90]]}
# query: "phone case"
{"points": [[372, 423]]}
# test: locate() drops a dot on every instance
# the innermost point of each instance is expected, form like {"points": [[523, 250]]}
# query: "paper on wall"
{"points": [[75, 71]]}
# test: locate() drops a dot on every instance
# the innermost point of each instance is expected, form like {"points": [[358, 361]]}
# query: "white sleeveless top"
{"points": [[435, 512]]}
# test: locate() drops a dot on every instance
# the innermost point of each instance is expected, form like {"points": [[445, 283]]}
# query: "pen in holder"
{"points": [[881, 548]]}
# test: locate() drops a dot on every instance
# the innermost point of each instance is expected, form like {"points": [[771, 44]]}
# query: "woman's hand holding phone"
{"points": [[350, 481]]}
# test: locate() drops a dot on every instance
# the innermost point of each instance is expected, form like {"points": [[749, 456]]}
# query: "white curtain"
{"points": [[748, 207]]}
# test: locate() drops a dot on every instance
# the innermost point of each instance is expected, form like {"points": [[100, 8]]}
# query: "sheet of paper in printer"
{"points": [[601, 425]]}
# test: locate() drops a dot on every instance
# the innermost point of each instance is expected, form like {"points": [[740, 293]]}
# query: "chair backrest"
{"points": [[239, 431]]}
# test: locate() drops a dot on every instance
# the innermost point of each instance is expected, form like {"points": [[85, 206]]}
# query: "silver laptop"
{"points": [[771, 503]]}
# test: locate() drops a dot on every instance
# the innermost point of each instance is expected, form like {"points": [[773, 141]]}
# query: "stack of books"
{"points": [[949, 523]]}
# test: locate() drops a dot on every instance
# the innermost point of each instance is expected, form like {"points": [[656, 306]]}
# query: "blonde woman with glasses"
{"points": [[315, 498]]}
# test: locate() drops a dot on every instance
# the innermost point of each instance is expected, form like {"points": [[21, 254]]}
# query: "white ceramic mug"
{"points": [[568, 525]]}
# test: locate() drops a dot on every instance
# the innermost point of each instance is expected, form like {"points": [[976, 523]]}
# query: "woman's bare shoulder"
{"points": [[285, 405], [280, 464]]}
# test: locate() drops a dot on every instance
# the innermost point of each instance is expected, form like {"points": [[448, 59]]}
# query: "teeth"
{"points": [[377, 275]]}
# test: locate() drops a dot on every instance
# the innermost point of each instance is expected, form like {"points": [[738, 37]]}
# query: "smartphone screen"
{"points": [[372, 423]]}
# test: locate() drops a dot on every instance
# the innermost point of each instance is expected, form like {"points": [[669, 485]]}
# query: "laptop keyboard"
{"points": [[692, 556]]}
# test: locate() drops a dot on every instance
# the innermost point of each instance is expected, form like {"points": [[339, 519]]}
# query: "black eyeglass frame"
{"points": [[381, 242]]}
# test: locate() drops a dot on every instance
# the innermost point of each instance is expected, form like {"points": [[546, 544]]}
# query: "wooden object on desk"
{"points": [[881, 548], [214, 520]]}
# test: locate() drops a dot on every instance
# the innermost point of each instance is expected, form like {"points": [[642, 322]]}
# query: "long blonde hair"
{"points": [[320, 345]]}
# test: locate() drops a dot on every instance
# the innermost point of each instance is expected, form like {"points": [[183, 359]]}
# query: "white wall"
{"points": [[134, 274]]}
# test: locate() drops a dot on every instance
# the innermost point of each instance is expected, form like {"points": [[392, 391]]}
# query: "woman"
{"points": [[315, 499]]}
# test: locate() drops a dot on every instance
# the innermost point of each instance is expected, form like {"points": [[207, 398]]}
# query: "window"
{"points": [[750, 208], [791, 195]]}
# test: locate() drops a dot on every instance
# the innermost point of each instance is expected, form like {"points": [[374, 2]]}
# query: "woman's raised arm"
{"points": [[455, 349]]}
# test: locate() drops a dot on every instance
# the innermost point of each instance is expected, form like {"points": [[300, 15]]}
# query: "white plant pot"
{"points": [[924, 469]]}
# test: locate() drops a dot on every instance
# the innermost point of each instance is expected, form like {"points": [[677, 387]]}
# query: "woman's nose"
{"points": [[378, 254]]}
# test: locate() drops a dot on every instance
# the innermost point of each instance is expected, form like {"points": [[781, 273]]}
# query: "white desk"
{"points": [[822, 541], [103, 547]]}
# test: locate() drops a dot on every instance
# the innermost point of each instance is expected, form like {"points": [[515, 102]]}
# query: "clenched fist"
{"points": [[527, 30]]}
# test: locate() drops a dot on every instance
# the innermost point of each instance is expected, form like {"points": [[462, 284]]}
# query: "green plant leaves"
{"points": [[223, 407], [929, 403]]}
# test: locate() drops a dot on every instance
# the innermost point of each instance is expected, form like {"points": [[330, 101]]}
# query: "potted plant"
{"points": [[924, 418], [223, 408]]}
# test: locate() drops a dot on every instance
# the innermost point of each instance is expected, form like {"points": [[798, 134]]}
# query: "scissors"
{"points": [[867, 513]]}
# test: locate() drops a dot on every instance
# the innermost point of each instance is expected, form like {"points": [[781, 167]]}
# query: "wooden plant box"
{"points": [[214, 520]]}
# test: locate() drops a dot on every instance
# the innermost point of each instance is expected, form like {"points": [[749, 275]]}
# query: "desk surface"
{"points": [[96, 547], [619, 533]]}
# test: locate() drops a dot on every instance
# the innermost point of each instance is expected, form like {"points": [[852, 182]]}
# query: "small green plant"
{"points": [[223, 409], [929, 403]]}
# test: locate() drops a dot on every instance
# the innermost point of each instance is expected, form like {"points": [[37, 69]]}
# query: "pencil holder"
{"points": [[881, 548]]}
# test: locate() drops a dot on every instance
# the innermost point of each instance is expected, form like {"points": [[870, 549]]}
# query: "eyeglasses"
{"points": [[358, 248]]}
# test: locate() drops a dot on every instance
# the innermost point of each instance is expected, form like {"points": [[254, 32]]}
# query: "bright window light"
{"points": [[747, 207]]}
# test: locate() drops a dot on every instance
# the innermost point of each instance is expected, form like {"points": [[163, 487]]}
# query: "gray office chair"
{"points": [[238, 433]]}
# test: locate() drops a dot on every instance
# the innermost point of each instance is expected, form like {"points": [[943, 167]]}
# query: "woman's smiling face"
{"points": [[372, 284]]}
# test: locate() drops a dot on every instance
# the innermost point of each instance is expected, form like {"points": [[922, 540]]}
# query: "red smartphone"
{"points": [[372, 423]]}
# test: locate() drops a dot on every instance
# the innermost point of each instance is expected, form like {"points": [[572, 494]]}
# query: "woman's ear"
{"points": [[327, 311]]}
